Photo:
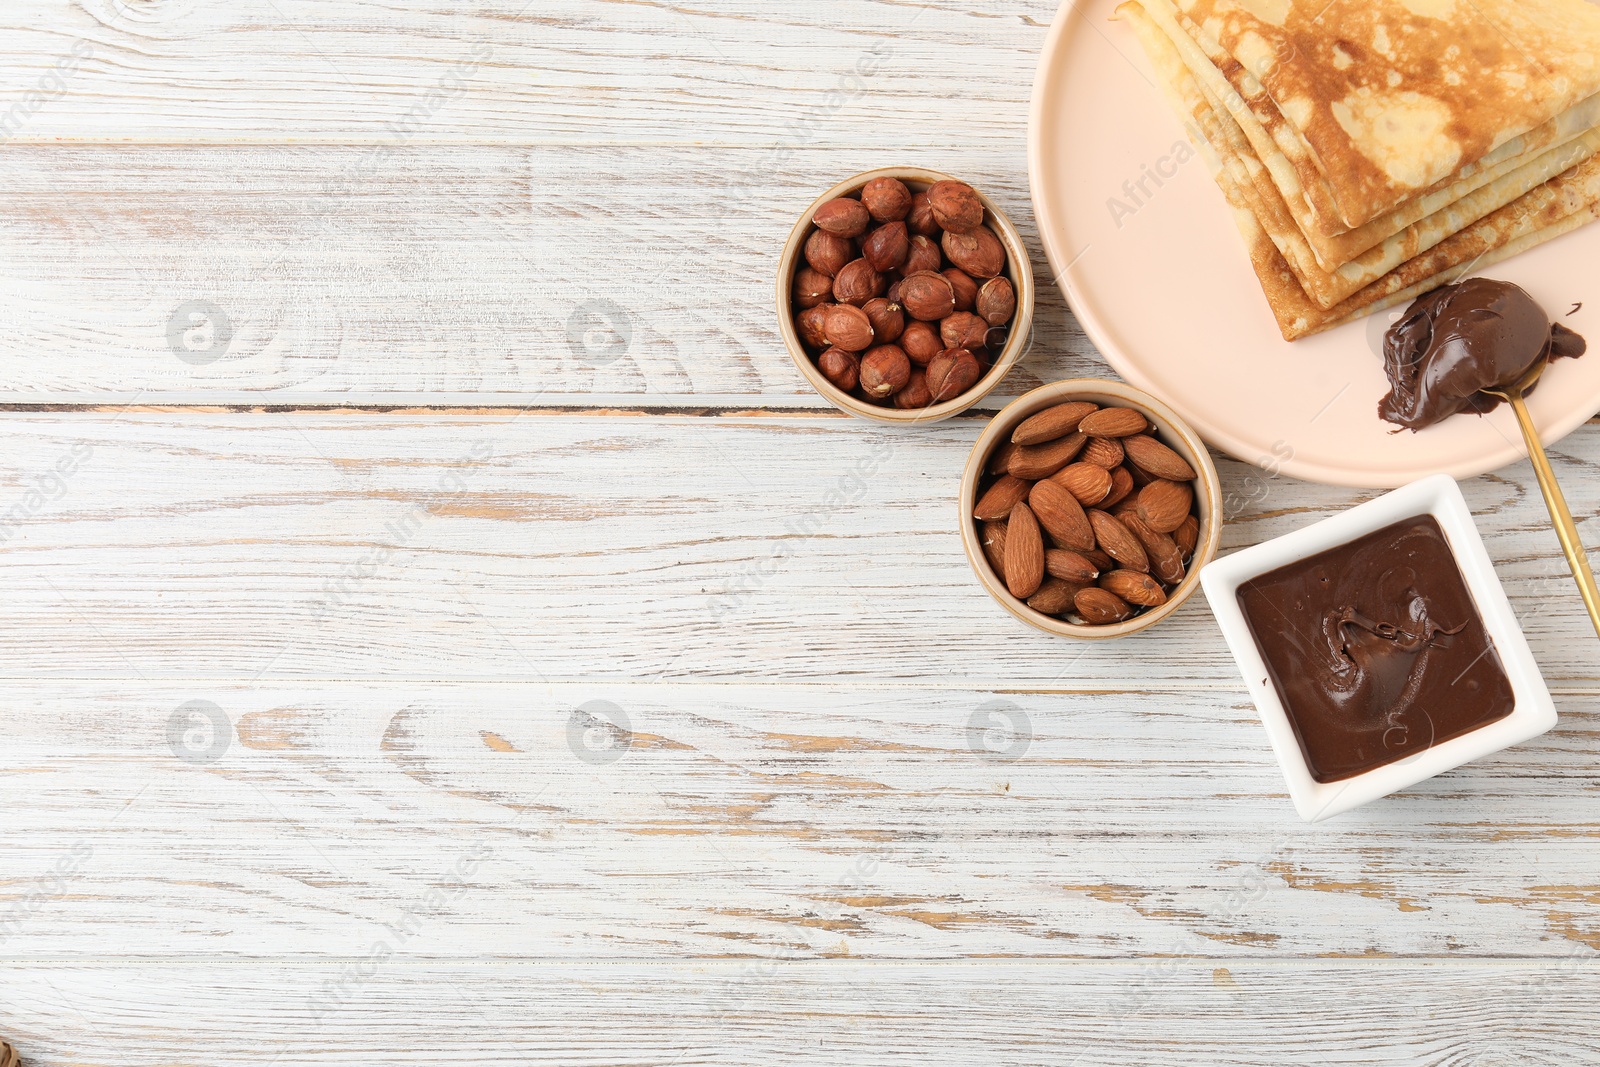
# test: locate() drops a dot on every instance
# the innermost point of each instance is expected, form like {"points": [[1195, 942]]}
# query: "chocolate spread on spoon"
{"points": [[1376, 649], [1461, 339]]}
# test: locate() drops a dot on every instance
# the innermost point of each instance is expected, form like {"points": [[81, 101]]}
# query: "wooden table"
{"points": [[441, 627]]}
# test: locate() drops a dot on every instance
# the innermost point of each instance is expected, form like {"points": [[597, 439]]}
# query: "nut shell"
{"points": [[966, 288], [956, 206], [921, 220], [887, 247], [858, 283], [841, 368], [885, 370], [811, 326], [921, 342], [915, 394], [848, 327], [888, 319], [979, 253], [963, 330], [886, 199], [952, 373], [828, 253], [924, 254], [843, 217], [927, 296], [811, 287], [996, 301]]}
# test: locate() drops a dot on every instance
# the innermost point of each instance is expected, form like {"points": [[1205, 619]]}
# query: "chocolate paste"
{"points": [[1463, 338], [1376, 649]]}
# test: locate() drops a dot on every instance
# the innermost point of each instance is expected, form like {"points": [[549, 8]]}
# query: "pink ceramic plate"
{"points": [[1141, 241]]}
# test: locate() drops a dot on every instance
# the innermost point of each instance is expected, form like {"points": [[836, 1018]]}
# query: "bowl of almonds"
{"points": [[904, 295], [1088, 509]]}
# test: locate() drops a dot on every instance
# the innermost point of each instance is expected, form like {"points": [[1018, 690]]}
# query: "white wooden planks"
{"points": [[170, 820], [434, 274], [1162, 1012], [292, 544]]}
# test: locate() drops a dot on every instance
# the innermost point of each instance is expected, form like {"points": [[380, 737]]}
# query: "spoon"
{"points": [[1566, 529]]}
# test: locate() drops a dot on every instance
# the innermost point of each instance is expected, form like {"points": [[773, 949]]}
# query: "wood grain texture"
{"points": [[613, 820], [1168, 1012], [438, 274], [851, 72], [584, 547]]}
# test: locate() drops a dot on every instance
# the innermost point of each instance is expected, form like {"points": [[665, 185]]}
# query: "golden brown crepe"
{"points": [[1525, 187], [1392, 97]]}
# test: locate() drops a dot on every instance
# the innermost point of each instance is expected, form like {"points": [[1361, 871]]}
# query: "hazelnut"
{"points": [[996, 338], [811, 287], [924, 255], [810, 324], [963, 330], [893, 294], [921, 220], [887, 199], [952, 373], [841, 368], [888, 319], [921, 342], [884, 371], [956, 206], [848, 327], [979, 253], [886, 247], [857, 283], [828, 253], [916, 393], [996, 301], [965, 287], [843, 217], [927, 296]]}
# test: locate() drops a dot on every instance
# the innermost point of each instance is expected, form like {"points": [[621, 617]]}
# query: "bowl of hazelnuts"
{"points": [[904, 295]]}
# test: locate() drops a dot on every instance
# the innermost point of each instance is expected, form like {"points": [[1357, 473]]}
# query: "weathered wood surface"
{"points": [[635, 738], [442, 274], [296, 545], [1172, 1013]]}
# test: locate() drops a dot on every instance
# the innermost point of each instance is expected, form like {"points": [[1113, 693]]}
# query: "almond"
{"points": [[1052, 423], [1070, 566], [1060, 513], [1113, 422], [1000, 498], [1101, 561], [1149, 454], [1121, 486], [1135, 587], [1187, 537], [1024, 553], [1088, 483], [994, 546], [1041, 461], [1166, 558], [1141, 477], [1055, 597], [1103, 452], [1163, 505], [1000, 459], [1118, 543], [1099, 607]]}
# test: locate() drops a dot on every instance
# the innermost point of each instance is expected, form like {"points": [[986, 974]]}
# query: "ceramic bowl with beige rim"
{"points": [[1168, 427], [1018, 270]]}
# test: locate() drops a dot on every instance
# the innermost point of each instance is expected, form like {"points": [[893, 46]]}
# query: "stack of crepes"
{"points": [[1373, 150]]}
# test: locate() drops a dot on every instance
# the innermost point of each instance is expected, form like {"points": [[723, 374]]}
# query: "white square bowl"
{"points": [[1532, 714]]}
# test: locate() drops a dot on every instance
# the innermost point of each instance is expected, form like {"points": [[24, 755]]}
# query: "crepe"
{"points": [[1553, 208], [1392, 97], [1514, 168], [1329, 288]]}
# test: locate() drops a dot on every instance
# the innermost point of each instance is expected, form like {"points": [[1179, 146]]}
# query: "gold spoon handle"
{"points": [[1566, 529]]}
